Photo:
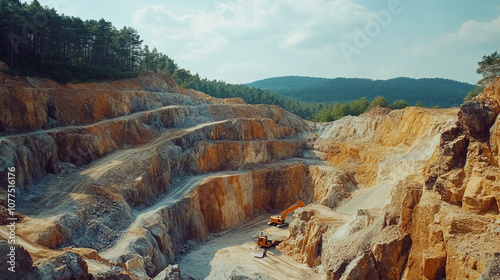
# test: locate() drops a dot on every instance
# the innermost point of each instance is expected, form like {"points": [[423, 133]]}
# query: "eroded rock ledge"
{"points": [[442, 222], [120, 179]]}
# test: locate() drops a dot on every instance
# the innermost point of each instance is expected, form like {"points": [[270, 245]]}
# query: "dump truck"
{"points": [[279, 221]]}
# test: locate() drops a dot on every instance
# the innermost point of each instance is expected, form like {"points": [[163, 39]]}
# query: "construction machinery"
{"points": [[279, 221], [263, 243]]}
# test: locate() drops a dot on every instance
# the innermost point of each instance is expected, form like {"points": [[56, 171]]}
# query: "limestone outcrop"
{"points": [[367, 234], [443, 218], [456, 222], [121, 180], [67, 265]]}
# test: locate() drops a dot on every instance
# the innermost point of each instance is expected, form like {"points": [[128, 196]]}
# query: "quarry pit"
{"points": [[141, 179]]}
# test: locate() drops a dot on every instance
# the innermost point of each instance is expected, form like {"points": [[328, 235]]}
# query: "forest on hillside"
{"points": [[429, 92], [37, 41]]}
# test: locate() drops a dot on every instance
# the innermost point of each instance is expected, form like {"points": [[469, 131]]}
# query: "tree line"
{"points": [[431, 92], [36, 40], [315, 111]]}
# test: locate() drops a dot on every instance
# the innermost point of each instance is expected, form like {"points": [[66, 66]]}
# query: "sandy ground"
{"points": [[231, 253], [374, 197]]}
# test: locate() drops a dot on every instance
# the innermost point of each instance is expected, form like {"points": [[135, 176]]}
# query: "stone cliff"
{"points": [[119, 180], [442, 221]]}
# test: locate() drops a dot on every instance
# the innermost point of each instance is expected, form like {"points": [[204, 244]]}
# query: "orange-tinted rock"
{"points": [[87, 253], [434, 264], [495, 140], [151, 181], [362, 267], [491, 92], [5, 215], [332, 185], [390, 250], [446, 240]]}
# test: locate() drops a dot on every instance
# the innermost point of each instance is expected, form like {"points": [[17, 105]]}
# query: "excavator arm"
{"points": [[279, 221], [291, 209]]}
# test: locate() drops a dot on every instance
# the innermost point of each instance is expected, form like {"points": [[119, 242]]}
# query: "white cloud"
{"points": [[475, 32], [289, 24], [472, 33], [200, 48], [455, 55]]}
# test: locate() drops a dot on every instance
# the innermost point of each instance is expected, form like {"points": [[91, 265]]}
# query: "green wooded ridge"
{"points": [[430, 92]]}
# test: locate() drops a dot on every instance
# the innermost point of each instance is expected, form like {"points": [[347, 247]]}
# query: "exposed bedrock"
{"points": [[118, 180], [37, 103], [443, 219], [40, 153]]}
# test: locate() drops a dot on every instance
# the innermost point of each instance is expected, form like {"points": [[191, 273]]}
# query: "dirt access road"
{"points": [[230, 254]]}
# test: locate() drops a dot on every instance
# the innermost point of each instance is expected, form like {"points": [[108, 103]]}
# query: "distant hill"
{"points": [[442, 92]]}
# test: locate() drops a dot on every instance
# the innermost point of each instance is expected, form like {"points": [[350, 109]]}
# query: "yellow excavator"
{"points": [[263, 241], [279, 221]]}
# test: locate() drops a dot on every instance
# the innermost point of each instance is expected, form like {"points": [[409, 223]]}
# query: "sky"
{"points": [[241, 41]]}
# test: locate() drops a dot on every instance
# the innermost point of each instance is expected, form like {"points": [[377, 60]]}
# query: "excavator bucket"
{"points": [[259, 252]]}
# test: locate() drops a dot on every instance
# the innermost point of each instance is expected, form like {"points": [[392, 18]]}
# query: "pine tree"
{"points": [[489, 67]]}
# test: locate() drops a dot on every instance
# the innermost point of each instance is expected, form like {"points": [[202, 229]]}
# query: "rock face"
{"points": [[118, 180], [463, 171], [446, 229], [22, 262], [140, 169], [66, 265], [367, 235], [172, 272]]}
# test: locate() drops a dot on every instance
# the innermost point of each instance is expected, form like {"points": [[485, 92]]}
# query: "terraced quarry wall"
{"points": [[124, 179], [196, 164]]}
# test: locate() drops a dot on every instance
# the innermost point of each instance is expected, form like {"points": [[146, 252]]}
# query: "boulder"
{"points": [[65, 266], [390, 251], [362, 267], [477, 116], [24, 269], [434, 264]]}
